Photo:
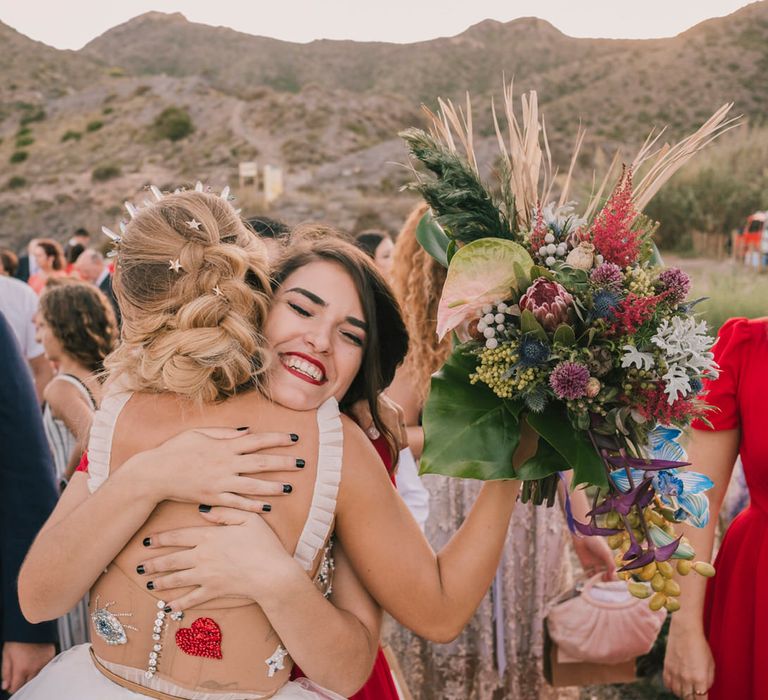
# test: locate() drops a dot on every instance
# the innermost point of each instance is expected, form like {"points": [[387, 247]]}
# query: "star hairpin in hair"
{"points": [[193, 225], [175, 265], [217, 291]]}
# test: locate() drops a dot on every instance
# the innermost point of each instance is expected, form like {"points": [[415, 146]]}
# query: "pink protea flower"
{"points": [[676, 283], [549, 302], [569, 380]]}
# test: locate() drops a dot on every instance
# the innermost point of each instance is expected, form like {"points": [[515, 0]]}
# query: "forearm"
{"points": [[83, 535], [415, 439], [337, 650]]}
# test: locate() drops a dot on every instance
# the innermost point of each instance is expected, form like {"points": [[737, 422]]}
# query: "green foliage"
{"points": [[23, 141], [71, 135], [173, 123], [95, 125], [432, 238], [107, 171], [32, 115], [463, 205], [24, 131], [107, 110], [18, 156], [16, 182]]}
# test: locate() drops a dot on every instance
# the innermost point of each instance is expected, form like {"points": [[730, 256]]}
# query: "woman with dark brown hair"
{"points": [[49, 256]]}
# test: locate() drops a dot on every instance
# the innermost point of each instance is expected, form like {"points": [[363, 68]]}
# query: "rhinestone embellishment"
{"points": [[324, 576], [157, 647], [107, 624], [276, 662], [201, 638]]}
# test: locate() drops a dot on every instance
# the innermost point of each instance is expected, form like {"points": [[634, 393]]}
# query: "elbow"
{"points": [[32, 602], [441, 632]]}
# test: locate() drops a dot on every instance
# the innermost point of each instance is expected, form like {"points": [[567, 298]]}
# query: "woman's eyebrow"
{"points": [[352, 321], [311, 296]]}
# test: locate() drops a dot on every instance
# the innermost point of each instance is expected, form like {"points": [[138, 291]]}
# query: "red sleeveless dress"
{"points": [[736, 604]]}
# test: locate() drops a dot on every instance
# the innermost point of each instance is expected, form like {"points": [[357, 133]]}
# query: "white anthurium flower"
{"points": [[635, 358]]}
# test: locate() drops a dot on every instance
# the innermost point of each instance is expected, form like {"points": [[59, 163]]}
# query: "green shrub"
{"points": [[95, 125], [24, 131], [16, 182], [19, 156], [71, 135], [22, 141], [173, 123], [107, 110], [105, 172], [32, 115]]}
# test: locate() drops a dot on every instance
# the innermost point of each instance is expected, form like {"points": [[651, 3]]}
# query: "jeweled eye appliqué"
{"points": [[107, 624]]}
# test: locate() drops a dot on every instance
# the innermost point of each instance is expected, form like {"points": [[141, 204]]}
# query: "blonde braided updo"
{"points": [[193, 331]]}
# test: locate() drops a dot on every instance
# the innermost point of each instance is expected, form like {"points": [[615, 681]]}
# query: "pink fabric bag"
{"points": [[603, 624]]}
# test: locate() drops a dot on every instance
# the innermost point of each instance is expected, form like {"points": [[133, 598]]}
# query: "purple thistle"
{"points": [[569, 380], [676, 283], [607, 275]]}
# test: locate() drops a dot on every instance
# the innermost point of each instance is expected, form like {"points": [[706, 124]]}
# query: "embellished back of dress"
{"points": [[225, 649]]}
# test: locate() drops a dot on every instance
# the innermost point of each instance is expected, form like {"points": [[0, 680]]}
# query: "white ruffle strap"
{"points": [[317, 528], [102, 430]]}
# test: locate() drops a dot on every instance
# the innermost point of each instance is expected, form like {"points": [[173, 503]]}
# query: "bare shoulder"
{"points": [[61, 396], [362, 468]]}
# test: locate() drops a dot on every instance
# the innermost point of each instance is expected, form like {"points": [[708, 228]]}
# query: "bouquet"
{"points": [[565, 318]]}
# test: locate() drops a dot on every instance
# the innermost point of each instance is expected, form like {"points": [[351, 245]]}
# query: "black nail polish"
{"points": [[245, 427], [204, 508], [167, 609], [287, 488], [294, 437], [140, 569], [300, 463], [146, 541], [151, 585], [266, 508]]}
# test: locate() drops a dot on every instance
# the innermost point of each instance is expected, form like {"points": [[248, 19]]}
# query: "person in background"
{"points": [[27, 263], [9, 262], [379, 247], [27, 497], [271, 232], [49, 257], [92, 268], [19, 304], [80, 240]]}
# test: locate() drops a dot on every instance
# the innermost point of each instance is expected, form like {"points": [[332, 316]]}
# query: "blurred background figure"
{"points": [[27, 497], [77, 328], [9, 262], [49, 257], [27, 263], [92, 268], [19, 305], [271, 231], [74, 247], [380, 248]]}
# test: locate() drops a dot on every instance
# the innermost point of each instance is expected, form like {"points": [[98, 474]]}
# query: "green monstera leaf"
{"points": [[481, 272], [469, 431], [433, 239]]}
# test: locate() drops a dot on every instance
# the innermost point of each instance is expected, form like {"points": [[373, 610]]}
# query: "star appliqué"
{"points": [[217, 291], [193, 225], [276, 662], [174, 265]]}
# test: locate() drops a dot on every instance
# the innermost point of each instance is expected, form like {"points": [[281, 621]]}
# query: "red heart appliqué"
{"points": [[202, 638]]}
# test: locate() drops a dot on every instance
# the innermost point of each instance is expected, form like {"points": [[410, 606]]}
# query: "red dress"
{"points": [[736, 604]]}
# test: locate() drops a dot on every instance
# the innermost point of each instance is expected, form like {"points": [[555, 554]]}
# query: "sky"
{"points": [[71, 24]]}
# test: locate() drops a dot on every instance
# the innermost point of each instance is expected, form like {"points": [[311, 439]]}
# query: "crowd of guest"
{"points": [[59, 320]]}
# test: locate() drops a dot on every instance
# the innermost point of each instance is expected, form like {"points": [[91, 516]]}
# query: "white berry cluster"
{"points": [[491, 323], [552, 251]]}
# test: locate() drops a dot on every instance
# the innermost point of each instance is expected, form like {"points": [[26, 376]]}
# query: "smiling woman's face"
{"points": [[317, 330]]}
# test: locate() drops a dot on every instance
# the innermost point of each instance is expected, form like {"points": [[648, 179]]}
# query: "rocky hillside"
{"points": [[80, 131]]}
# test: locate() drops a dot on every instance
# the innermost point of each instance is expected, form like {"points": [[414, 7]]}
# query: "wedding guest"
{"points": [[49, 257], [9, 262], [19, 304], [27, 496], [379, 247], [92, 268], [717, 640]]}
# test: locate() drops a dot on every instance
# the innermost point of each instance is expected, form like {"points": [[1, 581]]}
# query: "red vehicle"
{"points": [[751, 243]]}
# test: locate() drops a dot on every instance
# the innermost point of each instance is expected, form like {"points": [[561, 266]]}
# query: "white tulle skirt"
{"points": [[72, 676]]}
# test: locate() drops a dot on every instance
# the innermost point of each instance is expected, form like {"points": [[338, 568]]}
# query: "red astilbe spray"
{"points": [[632, 313], [539, 231], [611, 231], [652, 403]]}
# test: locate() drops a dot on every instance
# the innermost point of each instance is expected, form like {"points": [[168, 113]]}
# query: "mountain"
{"points": [[78, 131]]}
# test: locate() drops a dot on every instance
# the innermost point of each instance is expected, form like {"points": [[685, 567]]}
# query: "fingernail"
{"points": [[151, 585], [204, 508], [300, 463], [294, 437], [287, 488], [245, 427], [140, 569], [167, 609], [266, 508], [146, 541]]}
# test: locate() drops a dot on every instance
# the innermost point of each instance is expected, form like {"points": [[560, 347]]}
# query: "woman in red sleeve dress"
{"points": [[718, 641]]}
